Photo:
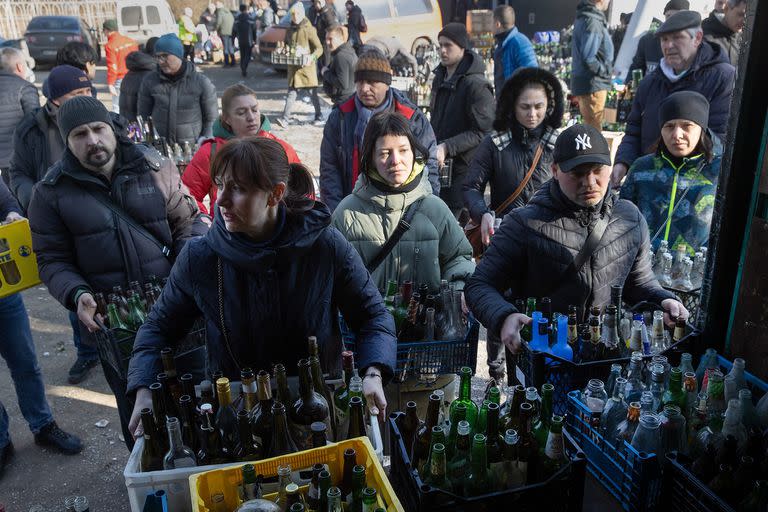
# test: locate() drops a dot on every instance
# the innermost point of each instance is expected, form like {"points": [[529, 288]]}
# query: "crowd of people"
{"points": [[249, 245]]}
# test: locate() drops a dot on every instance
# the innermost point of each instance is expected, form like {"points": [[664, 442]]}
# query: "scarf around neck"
{"points": [[364, 114]]}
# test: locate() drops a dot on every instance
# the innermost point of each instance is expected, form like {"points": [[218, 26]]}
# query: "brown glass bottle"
{"points": [[210, 441], [318, 383], [356, 418], [528, 453], [226, 419], [188, 428], [171, 409], [169, 367], [511, 419], [409, 425], [261, 414], [246, 449], [248, 390], [188, 386], [152, 454], [159, 410], [281, 383], [282, 441], [350, 461], [423, 439], [308, 408]]}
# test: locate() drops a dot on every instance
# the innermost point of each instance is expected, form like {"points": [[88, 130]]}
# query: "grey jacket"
{"points": [[183, 108], [17, 97], [531, 253]]}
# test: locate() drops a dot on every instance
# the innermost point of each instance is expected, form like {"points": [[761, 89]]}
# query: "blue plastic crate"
{"points": [[429, 358]]}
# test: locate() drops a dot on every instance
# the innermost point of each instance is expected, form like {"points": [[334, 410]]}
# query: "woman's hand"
{"points": [[143, 401], [373, 390], [510, 330], [486, 228]]}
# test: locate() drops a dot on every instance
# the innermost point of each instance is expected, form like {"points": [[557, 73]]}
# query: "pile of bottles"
{"points": [[699, 412], [608, 334], [128, 310], [423, 316], [180, 154], [218, 428], [473, 449], [679, 272], [353, 492]]}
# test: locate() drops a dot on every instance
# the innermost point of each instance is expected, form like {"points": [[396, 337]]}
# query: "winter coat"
{"points": [[276, 293], [266, 18], [183, 107], [711, 75], [339, 155], [504, 157], [17, 98], [139, 65], [462, 114], [434, 248], [187, 32], [82, 244], [245, 30], [513, 50], [536, 244], [654, 181], [339, 78], [225, 21], [8, 203], [592, 51], [355, 21], [208, 19], [647, 56], [197, 175], [322, 19], [716, 32], [117, 49], [303, 36]]}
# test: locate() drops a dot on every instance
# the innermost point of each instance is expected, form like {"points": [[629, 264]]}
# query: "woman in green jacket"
{"points": [[391, 183]]}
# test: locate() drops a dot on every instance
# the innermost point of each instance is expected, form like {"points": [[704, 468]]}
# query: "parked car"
{"points": [[45, 35], [413, 22], [142, 19]]}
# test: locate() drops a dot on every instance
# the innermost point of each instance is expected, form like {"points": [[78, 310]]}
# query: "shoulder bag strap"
{"points": [[519, 190], [591, 243], [220, 292], [402, 226], [135, 226]]}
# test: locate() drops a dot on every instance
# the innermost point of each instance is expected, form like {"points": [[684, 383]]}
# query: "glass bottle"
{"points": [[636, 337], [171, 408], [611, 344], [369, 499], [528, 453], [334, 500], [206, 394], [542, 422], [226, 419], [178, 455], [465, 396], [169, 368], [356, 420], [658, 343], [284, 479], [562, 348], [691, 390], [250, 489], [680, 328], [319, 434], [748, 412], [350, 461], [540, 340], [341, 396], [509, 475], [313, 491], [526, 332], [281, 382], [737, 372], [675, 394], [481, 423], [494, 442], [159, 411], [511, 419], [615, 410], [210, 441], [657, 385], [647, 437], [246, 449], [421, 443], [248, 389], [458, 466], [261, 413], [708, 360], [438, 436], [635, 385], [715, 398], [697, 418], [318, 383], [355, 500], [611, 381], [188, 386], [308, 408], [590, 350], [674, 435], [594, 395], [188, 428], [732, 425], [554, 452], [324, 485], [409, 425], [437, 468], [458, 414], [282, 442], [152, 454], [478, 481], [532, 397], [625, 430]]}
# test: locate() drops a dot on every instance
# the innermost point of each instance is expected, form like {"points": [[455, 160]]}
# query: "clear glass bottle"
{"points": [[636, 336], [732, 425], [594, 395], [658, 341], [708, 360], [686, 363], [737, 372], [509, 475], [657, 385], [674, 435], [437, 468], [647, 437], [611, 382], [284, 479], [635, 385], [178, 455], [691, 390], [615, 410], [625, 430], [646, 403], [730, 390], [748, 412]]}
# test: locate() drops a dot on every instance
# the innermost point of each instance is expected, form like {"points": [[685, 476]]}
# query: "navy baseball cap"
{"points": [[581, 144]]}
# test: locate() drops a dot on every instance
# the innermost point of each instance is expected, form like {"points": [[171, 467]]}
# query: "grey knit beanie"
{"points": [[81, 110]]}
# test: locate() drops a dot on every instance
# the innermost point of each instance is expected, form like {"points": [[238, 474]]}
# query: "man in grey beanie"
{"points": [[108, 213]]}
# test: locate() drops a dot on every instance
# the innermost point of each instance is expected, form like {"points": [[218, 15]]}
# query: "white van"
{"points": [[142, 19]]}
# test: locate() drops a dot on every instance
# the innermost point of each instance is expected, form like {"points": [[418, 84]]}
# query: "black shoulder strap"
{"points": [[131, 223], [591, 243], [402, 226]]}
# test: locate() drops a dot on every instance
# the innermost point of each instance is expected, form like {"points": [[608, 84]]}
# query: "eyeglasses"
{"points": [[162, 56]]}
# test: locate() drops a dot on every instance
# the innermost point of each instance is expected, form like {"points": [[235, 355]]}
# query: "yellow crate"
{"points": [[203, 486], [18, 264]]}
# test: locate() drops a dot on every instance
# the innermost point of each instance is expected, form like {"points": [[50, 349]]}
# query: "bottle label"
{"points": [[554, 447], [302, 436]]}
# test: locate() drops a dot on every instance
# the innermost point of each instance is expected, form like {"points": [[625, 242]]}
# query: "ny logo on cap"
{"points": [[583, 142]]}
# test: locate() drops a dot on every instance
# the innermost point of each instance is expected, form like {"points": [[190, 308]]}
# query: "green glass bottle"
{"points": [[554, 451], [509, 475], [136, 313], [458, 466], [341, 396], [438, 436], [541, 424], [478, 482], [333, 498], [114, 319], [358, 484], [369, 500], [481, 425], [281, 382], [465, 397], [675, 394], [494, 395], [458, 414], [437, 468], [526, 333]]}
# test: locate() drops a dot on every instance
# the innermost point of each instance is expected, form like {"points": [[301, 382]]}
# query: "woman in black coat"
{"points": [[269, 273]]}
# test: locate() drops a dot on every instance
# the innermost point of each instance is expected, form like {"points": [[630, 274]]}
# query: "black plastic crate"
{"points": [[563, 492]]}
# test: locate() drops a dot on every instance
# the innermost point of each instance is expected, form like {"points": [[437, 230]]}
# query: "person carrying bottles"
{"points": [[270, 272]]}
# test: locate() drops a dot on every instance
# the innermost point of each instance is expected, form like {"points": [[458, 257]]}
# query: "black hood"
{"points": [[296, 233], [709, 54], [471, 64], [140, 61], [505, 112], [588, 10], [715, 27]]}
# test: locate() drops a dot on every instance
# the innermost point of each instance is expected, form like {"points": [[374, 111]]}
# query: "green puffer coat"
{"points": [[434, 248], [303, 36]]}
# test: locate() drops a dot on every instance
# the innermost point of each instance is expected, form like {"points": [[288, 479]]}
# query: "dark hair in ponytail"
{"points": [[259, 163]]}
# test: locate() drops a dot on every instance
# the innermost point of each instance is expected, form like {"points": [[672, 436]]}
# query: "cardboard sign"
{"points": [[18, 264]]}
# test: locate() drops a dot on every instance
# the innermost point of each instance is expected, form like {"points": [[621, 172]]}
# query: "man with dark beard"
{"points": [[108, 213]]}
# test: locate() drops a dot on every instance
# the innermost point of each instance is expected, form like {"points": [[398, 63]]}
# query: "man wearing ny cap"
{"points": [[648, 54], [343, 133], [108, 213], [534, 252], [689, 64]]}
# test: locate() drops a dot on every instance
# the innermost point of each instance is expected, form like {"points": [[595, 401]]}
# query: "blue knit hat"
{"points": [[170, 43], [65, 79]]}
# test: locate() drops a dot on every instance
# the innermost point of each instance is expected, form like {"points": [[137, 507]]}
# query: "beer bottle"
{"points": [[508, 474], [246, 449], [170, 403], [590, 351], [465, 397], [542, 423], [313, 492], [421, 443], [136, 315], [458, 467], [511, 419], [261, 413], [355, 500], [573, 329], [494, 442], [188, 429], [318, 383], [437, 468], [341, 396], [458, 414], [334, 500], [478, 481], [324, 484], [250, 489], [281, 441], [284, 479], [526, 334], [152, 454], [680, 327], [409, 426], [113, 318], [158, 408], [554, 452], [529, 449], [369, 500], [226, 419], [178, 455], [356, 420], [308, 408], [281, 381], [350, 461], [319, 434]]}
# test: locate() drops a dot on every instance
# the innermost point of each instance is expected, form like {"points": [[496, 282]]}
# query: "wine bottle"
{"points": [[308, 408], [261, 414], [226, 420], [282, 442], [318, 383]]}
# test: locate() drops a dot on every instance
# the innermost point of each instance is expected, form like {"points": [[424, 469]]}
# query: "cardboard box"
{"points": [[613, 139], [479, 21], [18, 264], [609, 115]]}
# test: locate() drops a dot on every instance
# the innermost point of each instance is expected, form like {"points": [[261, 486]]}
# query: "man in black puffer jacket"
{"points": [[533, 252], [181, 101], [139, 65], [83, 246], [462, 108]]}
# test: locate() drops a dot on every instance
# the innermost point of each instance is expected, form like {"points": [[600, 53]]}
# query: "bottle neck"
{"points": [[465, 386], [305, 382], [174, 434]]}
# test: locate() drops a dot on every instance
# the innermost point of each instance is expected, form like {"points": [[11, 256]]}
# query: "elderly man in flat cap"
{"points": [[689, 64]]}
